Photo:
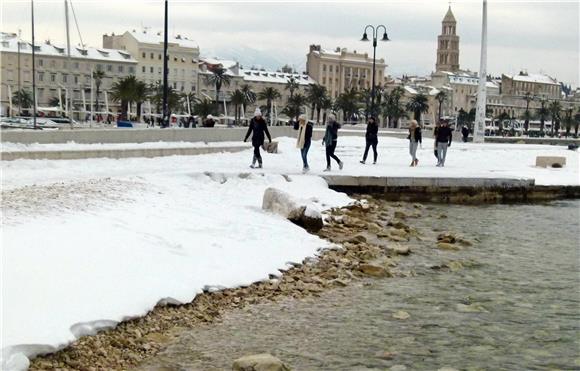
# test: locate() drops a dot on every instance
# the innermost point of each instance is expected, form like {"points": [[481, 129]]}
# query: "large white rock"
{"points": [[550, 161], [298, 211], [259, 362]]}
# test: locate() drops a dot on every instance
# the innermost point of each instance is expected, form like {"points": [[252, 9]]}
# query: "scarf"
{"points": [[301, 135]]}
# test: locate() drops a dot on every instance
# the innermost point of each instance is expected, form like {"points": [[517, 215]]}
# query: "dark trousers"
{"points": [[330, 153], [374, 145], [257, 156]]}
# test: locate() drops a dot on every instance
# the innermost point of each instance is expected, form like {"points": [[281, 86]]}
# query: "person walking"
{"points": [[330, 139], [414, 141], [304, 139], [372, 139], [435, 132], [465, 133], [257, 128], [444, 137]]}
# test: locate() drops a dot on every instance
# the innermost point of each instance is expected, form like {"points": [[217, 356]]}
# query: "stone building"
{"points": [[448, 45], [539, 85], [54, 72], [146, 47], [341, 69]]}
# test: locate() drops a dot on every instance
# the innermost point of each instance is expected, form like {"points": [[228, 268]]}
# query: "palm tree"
{"points": [[392, 107], [347, 102], [237, 99], [203, 107], [568, 120], [542, 112], [23, 98], [123, 91], [294, 107], [140, 95], [218, 78], [55, 101], [441, 97], [325, 104], [528, 97], [555, 109], [98, 76], [292, 85], [576, 122], [250, 96], [418, 104], [315, 93], [269, 95]]}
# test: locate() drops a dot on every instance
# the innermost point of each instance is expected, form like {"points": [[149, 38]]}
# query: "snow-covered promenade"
{"points": [[88, 243]]}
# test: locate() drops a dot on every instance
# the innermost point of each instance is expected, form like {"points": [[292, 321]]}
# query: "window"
{"points": [[41, 62], [120, 69], [143, 55], [76, 79], [64, 64], [132, 70], [152, 56], [76, 65], [175, 59], [159, 70], [143, 69], [64, 77], [324, 67], [151, 69], [40, 92], [99, 67], [323, 80], [159, 57], [52, 77], [109, 67], [41, 76], [330, 68], [52, 63]]}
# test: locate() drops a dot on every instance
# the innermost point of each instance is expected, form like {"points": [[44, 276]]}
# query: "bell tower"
{"points": [[448, 45]]}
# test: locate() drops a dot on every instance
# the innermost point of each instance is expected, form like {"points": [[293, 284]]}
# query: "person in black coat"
{"points": [[444, 137], [330, 140], [372, 139], [257, 128], [465, 133]]}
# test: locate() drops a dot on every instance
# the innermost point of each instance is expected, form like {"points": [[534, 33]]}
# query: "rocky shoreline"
{"points": [[371, 235]]}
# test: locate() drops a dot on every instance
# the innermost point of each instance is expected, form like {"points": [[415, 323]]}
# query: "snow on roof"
{"points": [[225, 63], [410, 90], [156, 37], [275, 77], [535, 78], [9, 43]]}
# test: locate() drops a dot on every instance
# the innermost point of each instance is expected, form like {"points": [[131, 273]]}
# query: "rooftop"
{"points": [[534, 77], [275, 77], [449, 17], [148, 36], [9, 43]]}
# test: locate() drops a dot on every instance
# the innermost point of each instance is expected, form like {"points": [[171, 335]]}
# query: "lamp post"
{"points": [[375, 31], [165, 123]]}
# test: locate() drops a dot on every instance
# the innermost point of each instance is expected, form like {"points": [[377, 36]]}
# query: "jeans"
{"points": [[442, 152], [330, 153], [374, 145], [304, 154], [257, 155], [413, 149]]}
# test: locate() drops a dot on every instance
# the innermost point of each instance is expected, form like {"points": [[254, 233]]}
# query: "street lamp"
{"points": [[374, 34]]}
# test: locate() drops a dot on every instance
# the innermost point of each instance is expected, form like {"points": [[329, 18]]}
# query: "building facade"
{"points": [[56, 74], [340, 69], [146, 47], [448, 45], [541, 86]]}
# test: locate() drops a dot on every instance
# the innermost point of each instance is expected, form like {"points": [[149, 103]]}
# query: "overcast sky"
{"points": [[538, 36]]}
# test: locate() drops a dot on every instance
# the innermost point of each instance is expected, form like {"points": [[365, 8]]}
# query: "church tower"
{"points": [[448, 45]]}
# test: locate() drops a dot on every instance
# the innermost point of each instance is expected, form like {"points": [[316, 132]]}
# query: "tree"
{"points": [[325, 104], [315, 93], [237, 99], [576, 122], [292, 85], [250, 96], [98, 76], [55, 101], [123, 91], [568, 120], [173, 98], [418, 104], [347, 102], [294, 106], [543, 113], [441, 97], [219, 76], [203, 107], [269, 94], [140, 95], [528, 97], [392, 108], [22, 98], [555, 108]]}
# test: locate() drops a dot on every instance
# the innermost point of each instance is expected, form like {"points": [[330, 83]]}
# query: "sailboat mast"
{"points": [[68, 103]]}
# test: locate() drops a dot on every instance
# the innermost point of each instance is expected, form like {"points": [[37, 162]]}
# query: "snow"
{"points": [[70, 146], [89, 243]]}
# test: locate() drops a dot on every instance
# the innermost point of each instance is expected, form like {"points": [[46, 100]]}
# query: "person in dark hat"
{"points": [[257, 128], [372, 139]]}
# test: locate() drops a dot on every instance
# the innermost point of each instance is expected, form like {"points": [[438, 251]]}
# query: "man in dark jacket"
{"points": [[372, 139], [444, 137], [257, 128], [330, 139], [465, 133]]}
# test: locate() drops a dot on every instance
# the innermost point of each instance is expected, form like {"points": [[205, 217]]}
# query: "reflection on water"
{"points": [[512, 304]]}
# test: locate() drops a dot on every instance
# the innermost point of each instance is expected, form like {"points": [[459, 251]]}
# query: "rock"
{"points": [[399, 232], [398, 225], [298, 212], [447, 369], [446, 237], [401, 314], [374, 270], [358, 239], [387, 356], [471, 308], [400, 215], [550, 161], [398, 368], [454, 266], [397, 238], [399, 249], [259, 362], [448, 246], [464, 242]]}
